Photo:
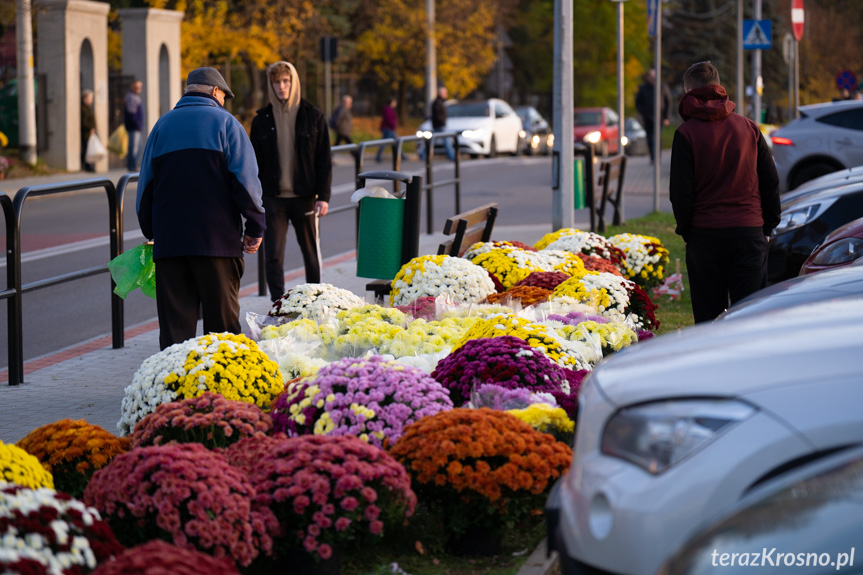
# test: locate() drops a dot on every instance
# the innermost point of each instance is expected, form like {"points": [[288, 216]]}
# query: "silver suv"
{"points": [[825, 138]]}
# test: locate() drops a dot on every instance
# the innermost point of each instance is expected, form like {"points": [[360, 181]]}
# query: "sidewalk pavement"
{"points": [[87, 381]]}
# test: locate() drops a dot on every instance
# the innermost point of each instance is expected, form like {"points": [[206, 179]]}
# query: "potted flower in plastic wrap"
{"points": [[482, 471]]}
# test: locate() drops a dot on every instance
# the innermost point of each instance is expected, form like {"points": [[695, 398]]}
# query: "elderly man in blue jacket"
{"points": [[198, 180]]}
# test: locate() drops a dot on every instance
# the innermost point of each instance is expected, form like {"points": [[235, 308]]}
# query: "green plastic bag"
{"points": [[134, 269]]}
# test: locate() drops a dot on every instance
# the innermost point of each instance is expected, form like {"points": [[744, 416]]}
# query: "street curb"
{"points": [[539, 563]]}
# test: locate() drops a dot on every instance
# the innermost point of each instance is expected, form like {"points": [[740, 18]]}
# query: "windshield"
{"points": [[523, 113], [587, 118], [468, 110]]}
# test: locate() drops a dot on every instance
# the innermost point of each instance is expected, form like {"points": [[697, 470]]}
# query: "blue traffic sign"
{"points": [[757, 34]]}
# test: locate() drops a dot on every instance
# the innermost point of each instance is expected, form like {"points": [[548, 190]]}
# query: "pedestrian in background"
{"points": [[343, 121], [292, 146], [133, 119], [389, 123], [645, 105], [88, 127], [439, 118], [198, 182], [724, 193]]}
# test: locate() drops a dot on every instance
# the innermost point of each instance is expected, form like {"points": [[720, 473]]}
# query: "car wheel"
{"points": [[492, 148], [811, 172]]}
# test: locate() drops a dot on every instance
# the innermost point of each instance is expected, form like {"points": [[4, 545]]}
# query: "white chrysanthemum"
{"points": [[461, 280], [15, 545], [148, 389], [314, 301]]}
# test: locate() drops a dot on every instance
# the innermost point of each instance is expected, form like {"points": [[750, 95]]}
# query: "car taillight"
{"points": [[780, 141]]}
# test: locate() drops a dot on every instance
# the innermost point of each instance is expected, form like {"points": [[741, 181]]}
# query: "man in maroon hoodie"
{"points": [[724, 192]]}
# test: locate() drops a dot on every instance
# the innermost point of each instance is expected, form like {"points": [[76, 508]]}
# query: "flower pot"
{"points": [[476, 540], [310, 564]]}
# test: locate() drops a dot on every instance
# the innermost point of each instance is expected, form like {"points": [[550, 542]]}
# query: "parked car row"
{"points": [[488, 127], [736, 444]]}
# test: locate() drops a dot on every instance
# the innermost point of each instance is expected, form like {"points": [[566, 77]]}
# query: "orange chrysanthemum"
{"points": [[72, 450], [480, 463]]}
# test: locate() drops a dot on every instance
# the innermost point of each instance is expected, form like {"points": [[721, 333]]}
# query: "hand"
{"points": [[321, 208], [251, 245], [666, 122]]}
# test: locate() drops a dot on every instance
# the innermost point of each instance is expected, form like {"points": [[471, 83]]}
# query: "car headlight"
{"points": [[424, 134], [624, 140], [473, 134], [593, 137], [550, 141], [795, 217], [522, 133], [534, 141], [844, 251], [657, 435]]}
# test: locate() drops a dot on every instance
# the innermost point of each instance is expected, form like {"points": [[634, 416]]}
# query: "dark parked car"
{"points": [[635, 138], [806, 521], [844, 283], [804, 225], [538, 136], [842, 247]]}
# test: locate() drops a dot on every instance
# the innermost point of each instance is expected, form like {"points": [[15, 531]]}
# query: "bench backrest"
{"points": [[467, 228]]}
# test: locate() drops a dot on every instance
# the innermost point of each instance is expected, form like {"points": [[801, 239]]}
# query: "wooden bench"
{"points": [[466, 228], [609, 190]]}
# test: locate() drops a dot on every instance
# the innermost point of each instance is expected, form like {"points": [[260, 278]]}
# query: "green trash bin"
{"points": [[578, 184], [379, 250]]}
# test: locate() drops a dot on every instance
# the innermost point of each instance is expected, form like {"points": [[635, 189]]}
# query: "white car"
{"points": [[677, 429], [825, 138], [486, 127]]}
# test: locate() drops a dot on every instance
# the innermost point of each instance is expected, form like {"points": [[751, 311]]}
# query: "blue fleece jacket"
{"points": [[198, 179]]}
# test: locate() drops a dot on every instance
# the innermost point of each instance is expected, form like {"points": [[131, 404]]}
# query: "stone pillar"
{"points": [[151, 53], [72, 52]]}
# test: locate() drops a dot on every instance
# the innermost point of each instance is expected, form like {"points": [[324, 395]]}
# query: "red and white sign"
{"points": [[797, 19]]}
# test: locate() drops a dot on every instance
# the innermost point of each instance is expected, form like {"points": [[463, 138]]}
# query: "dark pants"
{"points": [[648, 129], [723, 271], [280, 213], [386, 134], [186, 284], [343, 138]]}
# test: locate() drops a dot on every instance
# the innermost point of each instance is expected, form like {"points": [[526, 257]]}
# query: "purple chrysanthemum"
{"points": [[371, 398], [506, 361]]}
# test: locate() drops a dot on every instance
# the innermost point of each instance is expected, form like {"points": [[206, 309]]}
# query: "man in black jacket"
{"points": [[644, 103], [439, 118], [292, 145]]}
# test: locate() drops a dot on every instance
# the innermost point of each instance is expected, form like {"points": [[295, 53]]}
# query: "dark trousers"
{"points": [[648, 129], [186, 284], [343, 138], [281, 212], [723, 271]]}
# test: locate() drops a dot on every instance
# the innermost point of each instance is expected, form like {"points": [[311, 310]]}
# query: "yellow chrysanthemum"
{"points": [[19, 467]]}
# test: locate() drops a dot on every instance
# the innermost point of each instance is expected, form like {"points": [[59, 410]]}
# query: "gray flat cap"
{"points": [[209, 77]]}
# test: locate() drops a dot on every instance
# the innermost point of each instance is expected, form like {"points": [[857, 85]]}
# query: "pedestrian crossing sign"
{"points": [[757, 34]]}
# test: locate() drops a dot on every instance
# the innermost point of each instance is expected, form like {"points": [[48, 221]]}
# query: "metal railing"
{"points": [[13, 209], [13, 259]]}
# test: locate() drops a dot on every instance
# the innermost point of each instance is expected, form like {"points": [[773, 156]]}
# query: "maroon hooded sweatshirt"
{"points": [[723, 179]]}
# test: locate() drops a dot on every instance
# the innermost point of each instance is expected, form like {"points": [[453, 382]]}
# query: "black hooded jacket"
{"points": [[313, 168]]}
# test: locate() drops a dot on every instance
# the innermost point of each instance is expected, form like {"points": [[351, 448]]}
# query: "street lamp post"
{"points": [[620, 94]]}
